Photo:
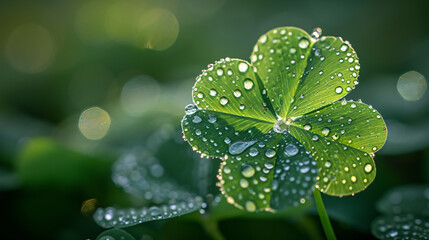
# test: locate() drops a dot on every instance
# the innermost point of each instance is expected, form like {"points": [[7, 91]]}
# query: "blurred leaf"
{"points": [[44, 163], [406, 199], [8, 180], [163, 172], [290, 87], [403, 226], [406, 210], [115, 234]]}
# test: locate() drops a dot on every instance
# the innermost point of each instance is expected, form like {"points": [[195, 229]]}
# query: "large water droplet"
{"points": [[223, 101], [213, 92], [307, 126], [326, 131], [219, 72], [197, 119], [250, 206], [253, 152], [242, 67], [191, 109], [338, 90], [239, 147], [270, 153], [291, 150], [344, 47], [248, 84], [303, 43], [212, 119], [368, 168], [247, 170], [237, 93], [244, 183]]}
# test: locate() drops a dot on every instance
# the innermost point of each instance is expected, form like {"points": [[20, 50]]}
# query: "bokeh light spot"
{"points": [[94, 123], [158, 28], [139, 94], [412, 86], [30, 48]]}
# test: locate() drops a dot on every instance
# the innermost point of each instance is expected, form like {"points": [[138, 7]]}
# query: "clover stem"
{"points": [[211, 226], [326, 224]]}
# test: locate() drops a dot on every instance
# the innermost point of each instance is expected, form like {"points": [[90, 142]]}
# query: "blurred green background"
{"points": [[137, 60]]}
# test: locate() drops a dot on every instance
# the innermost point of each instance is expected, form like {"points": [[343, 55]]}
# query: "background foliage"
{"points": [[137, 60]]}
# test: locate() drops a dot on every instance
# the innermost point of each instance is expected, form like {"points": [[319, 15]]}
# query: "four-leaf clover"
{"points": [[278, 125]]}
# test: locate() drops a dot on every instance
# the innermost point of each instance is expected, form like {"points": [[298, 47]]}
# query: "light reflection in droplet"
{"points": [[412, 86], [94, 123]]}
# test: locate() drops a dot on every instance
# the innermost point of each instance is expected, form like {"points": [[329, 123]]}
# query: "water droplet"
{"points": [[338, 90], [353, 179], [247, 170], [353, 105], [270, 153], [212, 119], [190, 109], [307, 126], [242, 106], [305, 169], [243, 67], [244, 183], [154, 211], [239, 147], [253, 152], [200, 95], [328, 164], [393, 233], [321, 72], [198, 132], [291, 150], [226, 170], [237, 93], [335, 136], [344, 47], [250, 206], [263, 39], [227, 140], [303, 43], [269, 165], [315, 138], [219, 72], [223, 101], [197, 119], [368, 168], [326, 131], [213, 92], [248, 84], [374, 149], [280, 126]]}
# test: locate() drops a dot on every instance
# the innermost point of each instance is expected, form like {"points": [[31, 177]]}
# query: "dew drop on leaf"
{"points": [[307, 126], [328, 164], [303, 43], [212, 119], [270, 153], [239, 147], [223, 101], [237, 93], [248, 84], [326, 131], [338, 90], [247, 170], [190, 109], [242, 67], [219, 72], [344, 47], [253, 152], [244, 183], [250, 206], [291, 150], [368, 168], [197, 119], [212, 92]]}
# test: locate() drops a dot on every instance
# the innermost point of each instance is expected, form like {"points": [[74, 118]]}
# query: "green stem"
{"points": [[326, 224], [212, 228]]}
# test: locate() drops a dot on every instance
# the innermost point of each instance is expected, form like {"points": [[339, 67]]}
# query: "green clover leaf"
{"points": [[278, 126]]}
